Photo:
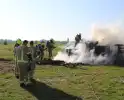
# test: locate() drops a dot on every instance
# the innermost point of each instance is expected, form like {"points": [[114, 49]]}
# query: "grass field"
{"points": [[61, 83]]}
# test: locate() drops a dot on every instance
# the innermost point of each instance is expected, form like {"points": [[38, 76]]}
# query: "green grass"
{"points": [[91, 83], [6, 51], [61, 83]]}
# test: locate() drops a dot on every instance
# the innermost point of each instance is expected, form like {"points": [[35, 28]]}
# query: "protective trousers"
{"points": [[31, 72], [50, 53], [23, 72], [16, 68], [42, 55]]}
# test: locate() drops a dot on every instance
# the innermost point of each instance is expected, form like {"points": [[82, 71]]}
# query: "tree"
{"points": [[5, 42]]}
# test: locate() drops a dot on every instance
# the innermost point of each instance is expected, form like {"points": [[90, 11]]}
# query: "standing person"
{"points": [[18, 43], [43, 48], [47, 46], [38, 52], [21, 53], [50, 47], [33, 50], [42, 52]]}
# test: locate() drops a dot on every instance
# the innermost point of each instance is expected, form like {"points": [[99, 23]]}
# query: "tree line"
{"points": [[6, 41]]}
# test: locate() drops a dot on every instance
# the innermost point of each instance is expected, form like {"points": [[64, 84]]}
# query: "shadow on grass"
{"points": [[44, 92]]}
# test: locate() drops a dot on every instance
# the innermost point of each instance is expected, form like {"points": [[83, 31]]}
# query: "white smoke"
{"points": [[107, 35]]}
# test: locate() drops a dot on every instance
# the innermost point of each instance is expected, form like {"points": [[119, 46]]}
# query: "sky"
{"points": [[57, 19]]}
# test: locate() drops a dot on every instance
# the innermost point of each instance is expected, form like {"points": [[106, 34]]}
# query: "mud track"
{"points": [[6, 66]]}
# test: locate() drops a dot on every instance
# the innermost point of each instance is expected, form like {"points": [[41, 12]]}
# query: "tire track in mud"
{"points": [[6, 66]]}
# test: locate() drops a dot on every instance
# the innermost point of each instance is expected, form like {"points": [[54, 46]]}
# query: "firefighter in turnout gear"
{"points": [[18, 43], [23, 63], [43, 48], [50, 47], [33, 50], [38, 52]]}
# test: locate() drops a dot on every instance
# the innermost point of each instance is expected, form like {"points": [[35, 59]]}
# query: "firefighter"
{"points": [[21, 53], [38, 52], [33, 50], [18, 43], [50, 47], [43, 48], [42, 52], [47, 46]]}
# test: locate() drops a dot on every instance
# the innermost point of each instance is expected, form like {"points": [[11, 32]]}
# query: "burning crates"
{"points": [[115, 52], [105, 50], [102, 50], [119, 58], [69, 51]]}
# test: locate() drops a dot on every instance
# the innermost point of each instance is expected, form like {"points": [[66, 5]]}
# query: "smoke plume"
{"points": [[105, 35], [109, 34]]}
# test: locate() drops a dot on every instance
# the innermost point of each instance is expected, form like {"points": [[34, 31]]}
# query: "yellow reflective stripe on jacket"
{"points": [[32, 51], [22, 60], [22, 55]]}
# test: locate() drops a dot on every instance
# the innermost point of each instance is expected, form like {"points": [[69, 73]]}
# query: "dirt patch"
{"points": [[6, 66], [2, 59]]}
